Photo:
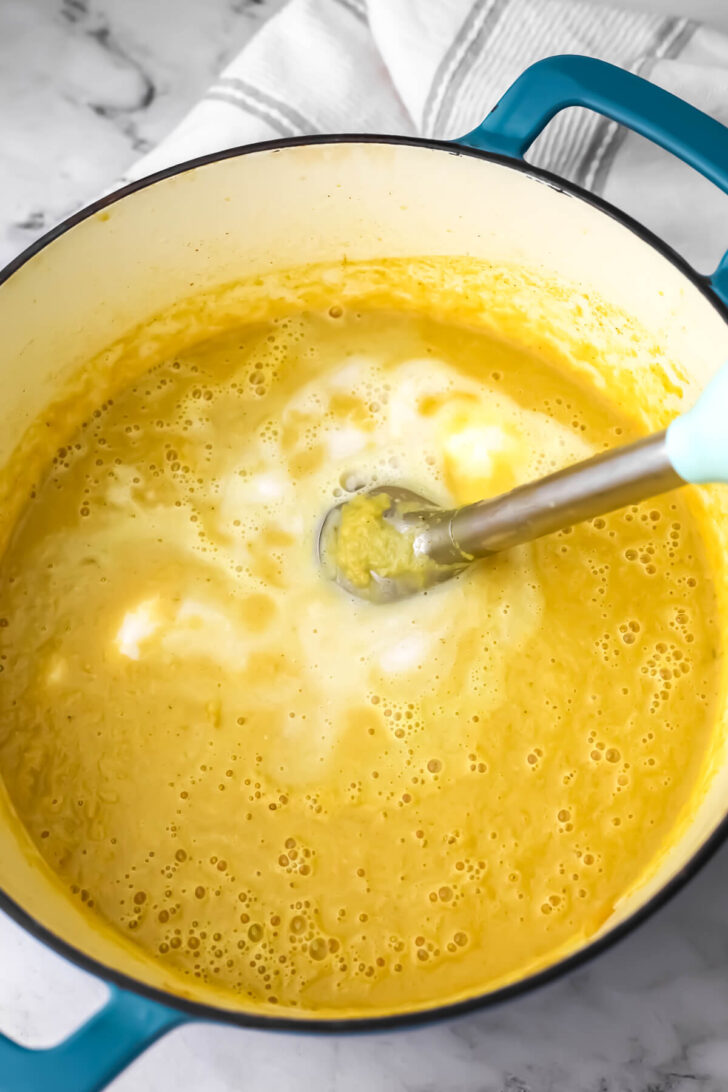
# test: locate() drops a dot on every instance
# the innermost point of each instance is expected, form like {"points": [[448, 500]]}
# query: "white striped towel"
{"points": [[435, 68]]}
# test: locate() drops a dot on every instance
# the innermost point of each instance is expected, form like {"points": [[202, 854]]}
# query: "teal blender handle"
{"points": [[555, 83], [697, 442], [93, 1055]]}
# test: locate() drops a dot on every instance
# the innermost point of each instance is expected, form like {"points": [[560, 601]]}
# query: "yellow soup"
{"points": [[305, 801]]}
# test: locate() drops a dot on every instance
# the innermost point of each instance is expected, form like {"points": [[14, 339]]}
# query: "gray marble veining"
{"points": [[88, 87]]}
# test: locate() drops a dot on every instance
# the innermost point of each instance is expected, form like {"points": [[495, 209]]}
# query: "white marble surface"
{"points": [[85, 87]]}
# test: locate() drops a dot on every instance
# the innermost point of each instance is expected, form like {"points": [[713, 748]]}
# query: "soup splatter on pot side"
{"points": [[305, 800]]}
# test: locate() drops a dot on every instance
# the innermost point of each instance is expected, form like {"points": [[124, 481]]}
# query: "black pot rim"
{"points": [[201, 1011]]}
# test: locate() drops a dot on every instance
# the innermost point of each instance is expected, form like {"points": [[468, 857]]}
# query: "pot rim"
{"points": [[200, 1010]]}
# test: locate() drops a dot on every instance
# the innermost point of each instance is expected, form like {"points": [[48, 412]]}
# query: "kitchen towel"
{"points": [[434, 68]]}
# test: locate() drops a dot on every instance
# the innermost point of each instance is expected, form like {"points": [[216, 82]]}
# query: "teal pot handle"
{"points": [[93, 1055], [551, 85]]}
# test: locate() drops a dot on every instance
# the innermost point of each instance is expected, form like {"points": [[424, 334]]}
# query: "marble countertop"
{"points": [[86, 86]]}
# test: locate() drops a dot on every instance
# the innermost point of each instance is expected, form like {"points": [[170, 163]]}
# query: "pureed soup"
{"points": [[304, 801]]}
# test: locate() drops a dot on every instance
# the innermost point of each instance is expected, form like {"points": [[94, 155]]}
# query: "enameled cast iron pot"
{"points": [[205, 223]]}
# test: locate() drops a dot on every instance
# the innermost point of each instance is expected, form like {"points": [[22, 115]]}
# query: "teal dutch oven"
{"points": [[140, 251]]}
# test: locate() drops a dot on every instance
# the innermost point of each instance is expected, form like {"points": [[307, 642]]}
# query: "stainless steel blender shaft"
{"points": [[596, 486]]}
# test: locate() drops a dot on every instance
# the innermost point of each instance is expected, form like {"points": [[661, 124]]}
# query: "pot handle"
{"points": [[551, 85], [94, 1054]]}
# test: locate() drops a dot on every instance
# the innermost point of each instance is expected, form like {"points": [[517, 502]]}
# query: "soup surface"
{"points": [[310, 802]]}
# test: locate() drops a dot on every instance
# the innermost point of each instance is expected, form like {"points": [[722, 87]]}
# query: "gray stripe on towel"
{"points": [[299, 122], [457, 62], [248, 108], [608, 137]]}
